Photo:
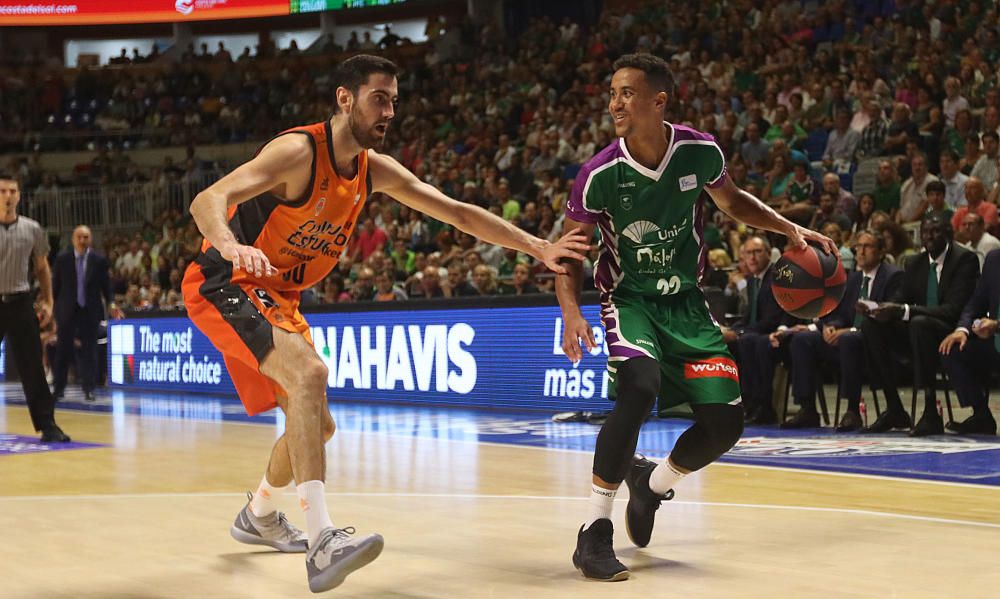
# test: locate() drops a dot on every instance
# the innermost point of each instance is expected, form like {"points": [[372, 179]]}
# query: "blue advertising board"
{"points": [[3, 361], [502, 357]]}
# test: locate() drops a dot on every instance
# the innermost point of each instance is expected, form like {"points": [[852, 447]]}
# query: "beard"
{"points": [[365, 136]]}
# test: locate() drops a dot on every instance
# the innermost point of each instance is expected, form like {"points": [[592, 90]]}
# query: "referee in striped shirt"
{"points": [[23, 245]]}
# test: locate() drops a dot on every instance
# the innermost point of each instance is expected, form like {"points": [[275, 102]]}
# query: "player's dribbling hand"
{"points": [[249, 259], [569, 246], [575, 330], [800, 236]]}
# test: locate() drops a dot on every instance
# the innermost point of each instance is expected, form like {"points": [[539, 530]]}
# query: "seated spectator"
{"points": [[749, 336], [754, 151], [936, 286], [972, 351], [985, 168], [901, 130], [485, 280], [522, 283], [846, 204], [363, 287], [954, 101], [457, 284], [935, 200], [975, 196], [801, 187], [953, 179], [385, 288], [429, 284], [842, 144], [873, 135], [369, 239], [827, 212], [977, 238], [866, 209], [887, 188], [956, 135], [776, 180], [834, 232], [836, 338], [970, 155], [897, 242], [717, 275], [913, 192]]}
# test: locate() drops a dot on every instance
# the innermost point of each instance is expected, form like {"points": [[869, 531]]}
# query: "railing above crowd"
{"points": [[112, 207]]}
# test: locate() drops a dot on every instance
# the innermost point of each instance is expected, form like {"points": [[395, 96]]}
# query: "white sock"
{"points": [[264, 501], [601, 502], [312, 500], [664, 477]]}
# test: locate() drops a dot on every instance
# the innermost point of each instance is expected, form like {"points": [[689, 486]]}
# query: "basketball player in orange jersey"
{"points": [[277, 225]]}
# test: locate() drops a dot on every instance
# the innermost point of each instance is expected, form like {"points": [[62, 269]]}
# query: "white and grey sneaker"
{"points": [[336, 554], [273, 530]]}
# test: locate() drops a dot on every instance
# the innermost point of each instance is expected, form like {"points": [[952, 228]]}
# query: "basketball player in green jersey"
{"points": [[644, 194]]}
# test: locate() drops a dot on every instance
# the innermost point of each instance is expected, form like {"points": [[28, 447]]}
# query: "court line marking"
{"points": [[558, 449], [765, 506]]}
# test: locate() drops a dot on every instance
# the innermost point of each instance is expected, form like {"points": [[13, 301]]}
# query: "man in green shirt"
{"points": [[887, 186]]}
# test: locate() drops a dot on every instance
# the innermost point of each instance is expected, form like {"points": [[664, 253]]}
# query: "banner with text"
{"points": [[485, 357]]}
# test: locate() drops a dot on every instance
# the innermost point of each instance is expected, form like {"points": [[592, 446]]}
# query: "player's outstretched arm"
{"points": [[746, 208], [282, 167], [576, 329], [390, 177]]}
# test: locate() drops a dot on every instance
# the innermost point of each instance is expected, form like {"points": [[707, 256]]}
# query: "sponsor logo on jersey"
{"points": [[320, 205], [639, 229], [324, 184], [688, 182], [626, 202], [626, 184], [840, 447], [712, 368]]}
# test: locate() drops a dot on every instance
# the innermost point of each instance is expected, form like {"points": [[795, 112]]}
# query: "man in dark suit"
{"points": [[837, 338], [760, 317], [978, 353], [937, 283], [79, 282]]}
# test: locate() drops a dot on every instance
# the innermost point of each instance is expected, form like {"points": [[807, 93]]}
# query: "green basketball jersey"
{"points": [[650, 220]]}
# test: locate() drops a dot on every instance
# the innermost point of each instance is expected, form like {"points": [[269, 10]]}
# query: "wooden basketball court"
{"points": [[147, 515]]}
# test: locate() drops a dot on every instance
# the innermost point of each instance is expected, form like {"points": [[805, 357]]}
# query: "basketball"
{"points": [[808, 283]]}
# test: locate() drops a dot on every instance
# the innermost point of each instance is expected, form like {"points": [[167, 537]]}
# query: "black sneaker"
{"points": [[595, 556], [642, 501]]}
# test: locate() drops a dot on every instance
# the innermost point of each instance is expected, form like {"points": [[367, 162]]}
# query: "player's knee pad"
{"points": [[638, 382], [724, 423], [716, 429]]}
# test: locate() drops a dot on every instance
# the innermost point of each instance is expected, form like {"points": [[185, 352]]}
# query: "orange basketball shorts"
{"points": [[239, 318]]}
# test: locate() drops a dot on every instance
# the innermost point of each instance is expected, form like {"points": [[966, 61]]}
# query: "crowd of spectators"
{"points": [[802, 96]]}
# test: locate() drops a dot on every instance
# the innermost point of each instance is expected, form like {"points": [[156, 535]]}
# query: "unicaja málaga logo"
{"points": [[185, 7]]}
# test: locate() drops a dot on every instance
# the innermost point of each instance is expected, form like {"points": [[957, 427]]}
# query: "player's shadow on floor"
{"points": [[639, 560]]}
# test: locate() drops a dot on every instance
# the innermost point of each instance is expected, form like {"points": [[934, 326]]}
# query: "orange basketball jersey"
{"points": [[303, 237]]}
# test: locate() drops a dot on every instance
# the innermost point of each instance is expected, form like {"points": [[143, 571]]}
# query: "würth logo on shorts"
{"points": [[712, 367]]}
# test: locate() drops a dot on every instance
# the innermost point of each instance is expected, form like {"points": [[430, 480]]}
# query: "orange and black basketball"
{"points": [[808, 283]]}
